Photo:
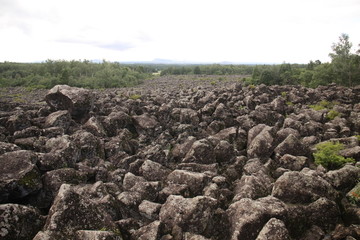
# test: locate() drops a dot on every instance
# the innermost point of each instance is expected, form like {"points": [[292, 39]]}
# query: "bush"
{"points": [[327, 154], [332, 114]]}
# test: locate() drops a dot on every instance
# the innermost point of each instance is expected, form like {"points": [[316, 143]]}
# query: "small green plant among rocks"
{"points": [[327, 155], [332, 114], [354, 194], [135, 97]]}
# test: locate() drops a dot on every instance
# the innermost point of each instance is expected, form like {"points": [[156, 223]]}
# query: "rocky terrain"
{"points": [[178, 159]]}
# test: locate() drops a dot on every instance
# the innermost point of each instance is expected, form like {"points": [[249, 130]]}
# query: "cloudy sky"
{"points": [[182, 30]]}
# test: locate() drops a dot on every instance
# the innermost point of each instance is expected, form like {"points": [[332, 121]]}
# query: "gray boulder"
{"points": [[201, 152], [81, 207], [193, 180], [190, 214], [58, 119], [274, 229], [299, 187], [260, 143], [19, 175], [78, 101], [19, 222], [247, 217]]}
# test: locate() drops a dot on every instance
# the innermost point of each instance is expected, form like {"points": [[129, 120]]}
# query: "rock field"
{"points": [[178, 158]]}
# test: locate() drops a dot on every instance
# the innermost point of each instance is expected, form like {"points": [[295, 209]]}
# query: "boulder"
{"points": [[151, 231], [19, 175], [344, 178], [115, 121], [194, 181], [153, 171], [149, 210], [260, 145], [79, 207], [17, 122], [97, 235], [247, 217], [201, 152], [291, 145], [19, 222], [8, 147], [58, 119], [274, 229], [145, 122], [190, 214], [94, 126], [78, 101], [299, 187], [293, 163]]}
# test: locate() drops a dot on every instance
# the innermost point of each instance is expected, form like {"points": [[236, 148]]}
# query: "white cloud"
{"points": [[211, 31]]}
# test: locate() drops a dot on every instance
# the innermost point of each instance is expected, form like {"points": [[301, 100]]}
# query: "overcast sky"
{"points": [[271, 31]]}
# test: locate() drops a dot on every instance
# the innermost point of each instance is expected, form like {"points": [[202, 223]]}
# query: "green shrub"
{"points": [[333, 114], [135, 97], [327, 154]]}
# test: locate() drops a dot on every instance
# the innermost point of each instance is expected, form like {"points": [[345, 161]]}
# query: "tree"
{"points": [[343, 61]]}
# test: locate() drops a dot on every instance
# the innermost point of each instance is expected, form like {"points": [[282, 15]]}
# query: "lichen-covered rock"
{"points": [[8, 147], [78, 101], [94, 126], [291, 145], [293, 163], [260, 145], [58, 119], [151, 231], [97, 235], [19, 222], [19, 175], [344, 178], [115, 121], [201, 152], [247, 217], [274, 229], [153, 171], [81, 207], [149, 210], [195, 181], [299, 187], [190, 214]]}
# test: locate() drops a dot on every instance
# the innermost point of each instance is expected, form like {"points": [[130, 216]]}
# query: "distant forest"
{"points": [[344, 69]]}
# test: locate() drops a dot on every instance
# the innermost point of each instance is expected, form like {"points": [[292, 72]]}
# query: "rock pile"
{"points": [[201, 163]]}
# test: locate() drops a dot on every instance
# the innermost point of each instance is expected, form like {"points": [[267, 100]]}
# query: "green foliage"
{"points": [[323, 105], [135, 97], [332, 114], [74, 73], [289, 103], [327, 155], [213, 83]]}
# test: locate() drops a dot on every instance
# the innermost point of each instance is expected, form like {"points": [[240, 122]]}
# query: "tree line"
{"points": [[74, 73], [343, 69]]}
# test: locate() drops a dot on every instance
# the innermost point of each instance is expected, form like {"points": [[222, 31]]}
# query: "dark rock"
{"points": [[115, 121], [153, 171], [58, 119], [291, 145], [195, 181], [19, 222], [151, 231], [293, 163], [95, 127], [32, 131], [260, 143], [247, 217], [344, 178], [145, 122], [19, 175], [181, 149], [89, 145], [8, 147], [149, 210], [17, 122], [274, 229], [299, 187], [201, 151], [78, 101], [190, 214], [81, 207], [224, 152], [314, 233], [97, 235]]}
